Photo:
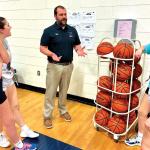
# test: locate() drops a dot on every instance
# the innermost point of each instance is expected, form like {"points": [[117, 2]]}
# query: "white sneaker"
{"points": [[4, 141], [27, 146], [133, 141], [28, 133]]}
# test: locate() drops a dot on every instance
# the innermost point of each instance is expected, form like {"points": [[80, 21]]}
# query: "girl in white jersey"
{"points": [[6, 114], [11, 92]]}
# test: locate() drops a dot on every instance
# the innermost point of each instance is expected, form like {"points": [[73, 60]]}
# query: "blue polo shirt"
{"points": [[60, 41]]}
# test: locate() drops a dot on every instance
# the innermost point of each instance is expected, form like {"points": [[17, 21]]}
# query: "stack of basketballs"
{"points": [[123, 53]]}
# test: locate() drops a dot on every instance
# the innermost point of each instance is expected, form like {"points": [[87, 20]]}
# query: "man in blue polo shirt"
{"points": [[58, 42]]}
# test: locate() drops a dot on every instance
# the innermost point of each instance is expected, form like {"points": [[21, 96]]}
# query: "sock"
{"points": [[24, 128], [19, 144], [140, 136]]}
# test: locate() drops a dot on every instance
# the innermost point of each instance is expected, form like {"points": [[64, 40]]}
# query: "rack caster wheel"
{"points": [[116, 138], [116, 141], [97, 128]]}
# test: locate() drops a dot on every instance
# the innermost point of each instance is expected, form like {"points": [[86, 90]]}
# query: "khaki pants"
{"points": [[57, 75]]}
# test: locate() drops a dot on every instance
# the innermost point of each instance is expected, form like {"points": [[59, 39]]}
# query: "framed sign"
{"points": [[125, 28]]}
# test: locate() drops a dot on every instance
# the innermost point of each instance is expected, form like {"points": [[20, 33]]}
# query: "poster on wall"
{"points": [[73, 18], [125, 28], [88, 17], [84, 22], [87, 30], [87, 42]]}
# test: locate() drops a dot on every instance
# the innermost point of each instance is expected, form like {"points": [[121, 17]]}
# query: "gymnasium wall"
{"points": [[29, 18]]}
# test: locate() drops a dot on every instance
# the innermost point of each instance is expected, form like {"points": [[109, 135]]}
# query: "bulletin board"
{"points": [[84, 22]]}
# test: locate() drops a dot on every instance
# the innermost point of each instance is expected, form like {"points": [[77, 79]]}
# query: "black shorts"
{"points": [[147, 90], [2, 94]]}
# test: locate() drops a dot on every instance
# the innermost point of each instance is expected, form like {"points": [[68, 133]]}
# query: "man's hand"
{"points": [[55, 57], [81, 52]]}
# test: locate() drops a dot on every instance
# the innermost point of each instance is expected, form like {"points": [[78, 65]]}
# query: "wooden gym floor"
{"points": [[80, 132]]}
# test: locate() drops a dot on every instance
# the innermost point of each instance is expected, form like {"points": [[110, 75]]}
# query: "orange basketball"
{"points": [[136, 60], [103, 98], [137, 71], [123, 88], [119, 105], [136, 85], [104, 48], [123, 50], [116, 124], [106, 82], [134, 101], [123, 72], [112, 64], [132, 117], [102, 117]]}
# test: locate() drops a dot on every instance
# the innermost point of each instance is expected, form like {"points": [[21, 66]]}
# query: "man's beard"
{"points": [[62, 22]]}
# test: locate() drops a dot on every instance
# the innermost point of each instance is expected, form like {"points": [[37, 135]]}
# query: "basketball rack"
{"points": [[105, 59]]}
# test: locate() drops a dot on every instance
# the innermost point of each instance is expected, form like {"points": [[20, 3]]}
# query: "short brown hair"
{"points": [[59, 6]]}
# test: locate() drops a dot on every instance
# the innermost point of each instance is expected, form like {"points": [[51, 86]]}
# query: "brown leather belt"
{"points": [[61, 63]]}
